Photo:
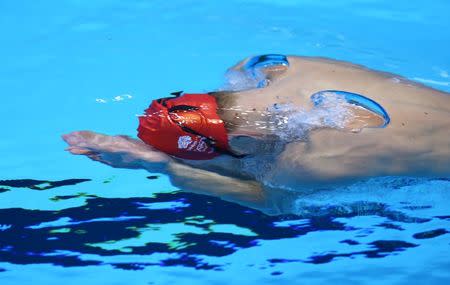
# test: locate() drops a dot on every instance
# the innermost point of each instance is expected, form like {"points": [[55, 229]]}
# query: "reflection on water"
{"points": [[196, 231]]}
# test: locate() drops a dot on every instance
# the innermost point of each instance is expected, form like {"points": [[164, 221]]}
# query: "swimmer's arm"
{"points": [[116, 151], [245, 192], [125, 152]]}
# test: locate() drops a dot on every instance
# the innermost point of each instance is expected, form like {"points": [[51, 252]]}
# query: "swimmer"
{"points": [[289, 125]]}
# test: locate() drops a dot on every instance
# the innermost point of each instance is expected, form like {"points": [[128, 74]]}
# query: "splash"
{"points": [[251, 74], [236, 80], [117, 98], [290, 122], [293, 123]]}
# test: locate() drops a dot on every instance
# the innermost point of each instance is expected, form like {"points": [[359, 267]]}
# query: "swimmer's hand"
{"points": [[125, 152], [116, 151]]}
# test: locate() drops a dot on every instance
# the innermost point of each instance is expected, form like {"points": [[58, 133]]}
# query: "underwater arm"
{"points": [[125, 152], [245, 192]]}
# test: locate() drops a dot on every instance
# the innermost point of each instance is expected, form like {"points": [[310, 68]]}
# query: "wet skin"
{"points": [[414, 143]]}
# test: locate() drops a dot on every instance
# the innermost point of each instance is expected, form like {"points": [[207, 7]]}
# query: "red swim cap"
{"points": [[186, 127]]}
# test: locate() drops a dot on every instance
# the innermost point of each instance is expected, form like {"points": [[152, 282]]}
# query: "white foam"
{"points": [[294, 122], [100, 100], [242, 80], [395, 194], [288, 121], [117, 98]]}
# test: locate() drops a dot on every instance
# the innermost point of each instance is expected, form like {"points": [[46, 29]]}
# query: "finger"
{"points": [[79, 150], [78, 137], [73, 139], [94, 156]]}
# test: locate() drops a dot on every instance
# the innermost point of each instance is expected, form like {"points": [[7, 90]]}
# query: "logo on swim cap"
{"points": [[184, 141], [202, 146]]}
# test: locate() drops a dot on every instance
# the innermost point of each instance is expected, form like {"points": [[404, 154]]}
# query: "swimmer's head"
{"points": [[186, 126]]}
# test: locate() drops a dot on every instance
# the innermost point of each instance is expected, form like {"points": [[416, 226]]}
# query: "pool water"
{"points": [[74, 65]]}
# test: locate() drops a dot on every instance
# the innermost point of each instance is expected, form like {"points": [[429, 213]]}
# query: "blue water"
{"points": [[67, 219]]}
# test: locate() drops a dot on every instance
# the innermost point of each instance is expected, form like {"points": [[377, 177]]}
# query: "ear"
{"points": [[363, 112]]}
